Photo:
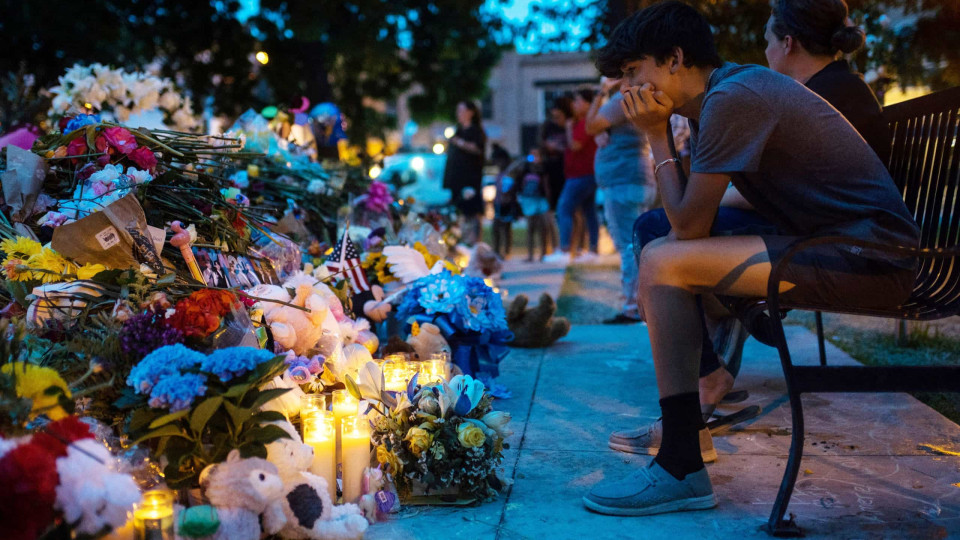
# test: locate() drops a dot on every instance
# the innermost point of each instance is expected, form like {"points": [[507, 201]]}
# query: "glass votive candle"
{"points": [[320, 432], [395, 376], [153, 516], [434, 370], [355, 436], [395, 358]]}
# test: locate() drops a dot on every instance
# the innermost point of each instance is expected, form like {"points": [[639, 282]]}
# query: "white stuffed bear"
{"points": [[293, 328], [321, 288], [307, 508], [241, 489]]}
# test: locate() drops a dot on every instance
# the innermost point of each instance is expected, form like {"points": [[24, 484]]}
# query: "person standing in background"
{"points": [[463, 174], [620, 168], [553, 142], [580, 188]]}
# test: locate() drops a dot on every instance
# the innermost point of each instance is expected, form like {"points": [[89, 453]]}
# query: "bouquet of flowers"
{"points": [[470, 316], [97, 87], [436, 437], [200, 407]]}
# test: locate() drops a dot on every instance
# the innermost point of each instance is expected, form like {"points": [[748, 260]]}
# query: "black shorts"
{"points": [[838, 275]]}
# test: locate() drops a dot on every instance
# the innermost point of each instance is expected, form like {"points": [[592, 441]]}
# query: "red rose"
{"points": [[119, 139], [62, 124], [77, 147], [28, 474], [144, 158]]}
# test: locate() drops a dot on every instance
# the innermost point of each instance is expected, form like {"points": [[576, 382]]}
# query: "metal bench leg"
{"points": [[818, 316], [776, 525]]}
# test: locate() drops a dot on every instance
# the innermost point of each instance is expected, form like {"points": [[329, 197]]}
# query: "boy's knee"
{"points": [[659, 264]]}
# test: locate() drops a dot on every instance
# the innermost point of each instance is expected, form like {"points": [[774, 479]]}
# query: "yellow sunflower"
{"points": [[32, 382]]}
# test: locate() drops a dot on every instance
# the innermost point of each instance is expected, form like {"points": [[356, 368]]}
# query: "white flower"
{"points": [[169, 101], [497, 421], [121, 113], [315, 187], [61, 103], [108, 174], [91, 494], [137, 176], [184, 120]]}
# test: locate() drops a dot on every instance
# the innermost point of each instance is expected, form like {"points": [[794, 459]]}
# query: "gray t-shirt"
{"points": [[623, 159], [795, 158]]}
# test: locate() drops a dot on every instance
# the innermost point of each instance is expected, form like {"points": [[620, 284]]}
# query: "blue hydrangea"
{"points": [[177, 391], [81, 120], [161, 363], [440, 293], [234, 361]]}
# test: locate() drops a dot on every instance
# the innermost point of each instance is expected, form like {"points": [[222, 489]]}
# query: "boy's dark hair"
{"points": [[819, 25], [655, 31], [564, 104]]}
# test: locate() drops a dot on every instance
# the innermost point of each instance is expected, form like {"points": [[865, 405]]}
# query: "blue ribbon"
{"points": [[473, 352]]}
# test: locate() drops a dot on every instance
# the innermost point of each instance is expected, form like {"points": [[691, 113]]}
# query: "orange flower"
{"points": [[193, 320], [214, 301]]}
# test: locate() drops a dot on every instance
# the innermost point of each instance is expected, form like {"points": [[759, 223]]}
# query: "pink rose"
{"points": [[101, 188], [144, 158], [119, 139]]}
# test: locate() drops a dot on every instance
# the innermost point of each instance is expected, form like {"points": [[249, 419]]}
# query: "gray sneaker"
{"points": [[647, 441], [652, 490]]}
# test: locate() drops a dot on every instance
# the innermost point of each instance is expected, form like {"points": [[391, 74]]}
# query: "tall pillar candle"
{"points": [[355, 436], [319, 432], [153, 516]]}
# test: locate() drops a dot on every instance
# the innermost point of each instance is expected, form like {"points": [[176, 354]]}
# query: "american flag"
{"points": [[346, 259]]}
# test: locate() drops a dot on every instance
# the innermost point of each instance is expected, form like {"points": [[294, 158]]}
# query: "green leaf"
{"points": [[352, 387], [141, 418], [236, 390], [265, 434], [167, 418], [253, 450], [168, 430], [263, 417], [203, 412], [265, 396], [237, 415]]}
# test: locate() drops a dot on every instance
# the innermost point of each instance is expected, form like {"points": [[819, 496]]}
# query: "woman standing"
{"points": [[463, 174]]}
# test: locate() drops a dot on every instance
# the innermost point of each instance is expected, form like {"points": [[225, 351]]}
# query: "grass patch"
{"points": [[925, 345]]}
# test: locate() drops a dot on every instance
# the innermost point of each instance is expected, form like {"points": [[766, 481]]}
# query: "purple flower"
{"points": [[147, 332]]}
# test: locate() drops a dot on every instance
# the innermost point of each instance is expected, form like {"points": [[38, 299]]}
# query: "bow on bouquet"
{"points": [[470, 316]]}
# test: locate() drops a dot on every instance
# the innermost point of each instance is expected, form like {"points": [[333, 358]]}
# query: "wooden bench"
{"points": [[925, 164]]}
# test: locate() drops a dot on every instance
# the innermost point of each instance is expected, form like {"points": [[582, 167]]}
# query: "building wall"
{"points": [[521, 85]]}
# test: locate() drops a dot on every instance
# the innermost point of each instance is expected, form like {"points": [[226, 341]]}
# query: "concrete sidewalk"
{"points": [[874, 464]]}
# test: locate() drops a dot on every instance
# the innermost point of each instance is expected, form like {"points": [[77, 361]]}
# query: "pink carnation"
{"points": [[77, 147], [144, 158], [378, 197]]}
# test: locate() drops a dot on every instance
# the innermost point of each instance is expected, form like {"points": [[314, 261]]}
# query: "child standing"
{"points": [[505, 206], [533, 199]]}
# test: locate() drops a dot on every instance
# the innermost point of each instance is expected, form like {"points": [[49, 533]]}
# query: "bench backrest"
{"points": [[925, 164]]}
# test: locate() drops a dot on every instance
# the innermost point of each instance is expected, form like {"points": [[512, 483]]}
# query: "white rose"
{"points": [[184, 120], [107, 174], [137, 176]]}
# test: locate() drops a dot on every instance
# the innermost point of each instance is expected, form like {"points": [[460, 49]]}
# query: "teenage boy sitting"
{"points": [[796, 160]]}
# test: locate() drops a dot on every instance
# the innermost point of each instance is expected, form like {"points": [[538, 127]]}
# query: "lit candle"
{"points": [[311, 403], [319, 432], [434, 370], [355, 434], [395, 376], [344, 404], [153, 516]]}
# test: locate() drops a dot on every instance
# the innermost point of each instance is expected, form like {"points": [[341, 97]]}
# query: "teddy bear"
{"points": [[536, 326], [241, 489], [428, 340], [308, 511], [293, 328]]}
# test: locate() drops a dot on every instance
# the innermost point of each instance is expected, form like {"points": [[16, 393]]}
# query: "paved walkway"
{"points": [[875, 465]]}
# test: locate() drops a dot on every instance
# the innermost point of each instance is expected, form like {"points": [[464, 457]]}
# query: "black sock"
{"points": [[679, 452]]}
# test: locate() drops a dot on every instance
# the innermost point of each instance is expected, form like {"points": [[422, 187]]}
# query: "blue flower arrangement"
{"points": [[163, 362], [177, 391], [469, 314]]}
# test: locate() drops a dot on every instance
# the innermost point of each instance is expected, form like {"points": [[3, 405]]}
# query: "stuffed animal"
{"points": [[536, 326], [397, 345], [379, 495], [428, 340], [293, 328], [308, 511], [484, 263], [241, 489]]}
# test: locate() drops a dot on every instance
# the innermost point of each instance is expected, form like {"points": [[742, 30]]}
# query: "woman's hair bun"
{"points": [[848, 39]]}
